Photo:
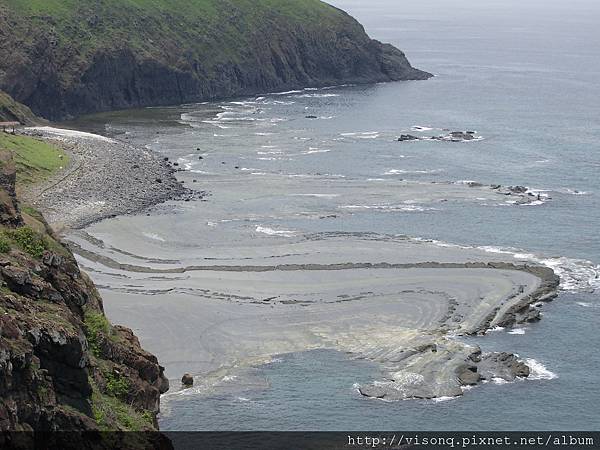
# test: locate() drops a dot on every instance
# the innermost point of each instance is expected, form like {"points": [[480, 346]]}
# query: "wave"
{"points": [[538, 371], [313, 150], [575, 274], [517, 331], [415, 172], [317, 195], [272, 232], [317, 95], [383, 207]]}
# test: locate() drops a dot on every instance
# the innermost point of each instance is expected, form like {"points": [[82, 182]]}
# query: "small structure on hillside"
{"points": [[8, 125]]}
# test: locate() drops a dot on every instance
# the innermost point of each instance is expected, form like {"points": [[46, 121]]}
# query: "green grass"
{"points": [[27, 239], [96, 324], [110, 412], [168, 30], [35, 160], [4, 244], [116, 385]]}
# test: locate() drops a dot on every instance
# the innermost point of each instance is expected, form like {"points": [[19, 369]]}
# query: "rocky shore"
{"points": [[63, 366], [105, 178]]}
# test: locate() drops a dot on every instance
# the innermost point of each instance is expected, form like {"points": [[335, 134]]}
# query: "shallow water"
{"points": [[276, 175]]}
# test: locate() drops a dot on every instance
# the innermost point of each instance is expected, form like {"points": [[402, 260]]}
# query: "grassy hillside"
{"points": [[65, 57], [35, 160], [12, 111]]}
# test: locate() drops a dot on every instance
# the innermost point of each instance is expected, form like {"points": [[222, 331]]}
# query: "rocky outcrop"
{"points": [[89, 59], [12, 111], [62, 365]]}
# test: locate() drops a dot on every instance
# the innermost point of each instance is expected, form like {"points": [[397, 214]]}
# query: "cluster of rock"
{"points": [[453, 136], [58, 370]]}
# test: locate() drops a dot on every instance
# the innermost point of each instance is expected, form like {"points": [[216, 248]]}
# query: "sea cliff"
{"points": [[64, 58], [63, 366]]}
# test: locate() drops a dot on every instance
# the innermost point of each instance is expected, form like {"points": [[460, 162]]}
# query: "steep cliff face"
{"points": [[68, 57], [62, 365]]}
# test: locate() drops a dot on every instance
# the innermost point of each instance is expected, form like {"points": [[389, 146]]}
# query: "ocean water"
{"points": [[525, 76]]}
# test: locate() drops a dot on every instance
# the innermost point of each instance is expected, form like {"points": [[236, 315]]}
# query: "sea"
{"points": [[524, 75]]}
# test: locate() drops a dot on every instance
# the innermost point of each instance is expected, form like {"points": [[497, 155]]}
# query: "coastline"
{"points": [[105, 178], [98, 162]]}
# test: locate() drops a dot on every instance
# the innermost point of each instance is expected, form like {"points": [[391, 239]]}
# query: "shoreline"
{"points": [[105, 178], [510, 308]]}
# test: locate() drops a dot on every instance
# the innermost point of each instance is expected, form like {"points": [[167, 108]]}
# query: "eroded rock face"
{"points": [[62, 365]]}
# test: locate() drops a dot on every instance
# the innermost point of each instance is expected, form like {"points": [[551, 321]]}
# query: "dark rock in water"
{"points": [[468, 375], [407, 137], [462, 135], [372, 391], [187, 380], [517, 189], [158, 180], [502, 365], [311, 117]]}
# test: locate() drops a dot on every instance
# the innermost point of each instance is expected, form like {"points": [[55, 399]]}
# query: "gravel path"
{"points": [[105, 178]]}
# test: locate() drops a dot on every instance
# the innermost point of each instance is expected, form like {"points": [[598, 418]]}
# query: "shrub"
{"points": [[29, 241], [116, 386], [96, 324], [4, 245]]}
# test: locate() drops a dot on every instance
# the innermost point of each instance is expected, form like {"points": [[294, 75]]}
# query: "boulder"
{"points": [[187, 380]]}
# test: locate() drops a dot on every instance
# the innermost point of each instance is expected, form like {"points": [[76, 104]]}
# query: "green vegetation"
{"points": [[35, 160], [116, 385], [27, 239], [12, 111], [110, 411], [4, 244], [96, 325], [144, 23]]}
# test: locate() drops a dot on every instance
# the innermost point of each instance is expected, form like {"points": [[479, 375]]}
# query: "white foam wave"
{"points": [[420, 128], [575, 274], [317, 195], [443, 399], [285, 93], [517, 331], [385, 207], [272, 232], [417, 172], [538, 371], [313, 150], [317, 95]]}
